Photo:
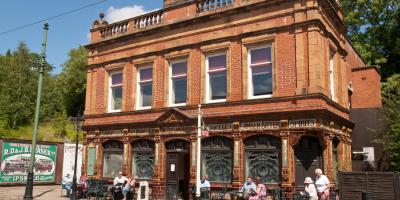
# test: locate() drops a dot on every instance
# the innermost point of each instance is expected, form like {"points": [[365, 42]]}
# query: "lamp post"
{"points": [[29, 182], [78, 119]]}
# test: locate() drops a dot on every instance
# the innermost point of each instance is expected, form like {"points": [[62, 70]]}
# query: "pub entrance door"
{"points": [[308, 153], [177, 170]]}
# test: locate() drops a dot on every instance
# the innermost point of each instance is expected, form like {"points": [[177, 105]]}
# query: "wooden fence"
{"points": [[382, 185]]}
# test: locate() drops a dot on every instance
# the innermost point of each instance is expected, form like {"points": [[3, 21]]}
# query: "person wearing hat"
{"points": [[309, 189]]}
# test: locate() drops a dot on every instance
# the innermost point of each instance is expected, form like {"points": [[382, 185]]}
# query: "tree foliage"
{"points": [[72, 81], [62, 95], [374, 31], [391, 111]]}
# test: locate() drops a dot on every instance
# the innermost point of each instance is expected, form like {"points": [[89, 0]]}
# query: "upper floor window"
{"points": [[115, 92], [260, 72], [331, 74], [216, 83], [145, 87], [178, 83]]}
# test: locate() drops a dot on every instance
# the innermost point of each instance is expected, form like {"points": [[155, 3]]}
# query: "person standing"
{"points": [[309, 189], [322, 184]]}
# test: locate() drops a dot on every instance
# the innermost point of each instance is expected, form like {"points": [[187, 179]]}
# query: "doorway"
{"points": [[177, 170], [308, 153]]}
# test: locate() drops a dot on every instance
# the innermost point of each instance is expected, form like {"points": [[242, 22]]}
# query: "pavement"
{"points": [[51, 192]]}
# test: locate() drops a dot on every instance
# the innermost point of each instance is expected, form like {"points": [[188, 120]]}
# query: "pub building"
{"points": [[273, 78]]}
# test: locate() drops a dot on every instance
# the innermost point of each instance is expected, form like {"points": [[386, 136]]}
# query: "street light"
{"points": [[78, 125], [41, 69]]}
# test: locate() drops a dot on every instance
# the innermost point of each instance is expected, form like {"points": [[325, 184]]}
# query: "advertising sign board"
{"points": [[15, 159]]}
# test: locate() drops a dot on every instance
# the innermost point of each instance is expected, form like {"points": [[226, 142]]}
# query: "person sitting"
{"points": [[66, 183], [310, 192], [204, 187], [248, 188], [260, 193], [128, 187], [118, 183], [83, 183]]}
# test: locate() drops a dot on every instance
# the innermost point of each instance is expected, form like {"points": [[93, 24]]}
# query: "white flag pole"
{"points": [[198, 145]]}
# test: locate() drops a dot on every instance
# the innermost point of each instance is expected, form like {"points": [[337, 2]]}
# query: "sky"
{"points": [[65, 32]]}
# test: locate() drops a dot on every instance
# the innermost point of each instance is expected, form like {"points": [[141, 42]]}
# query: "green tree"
{"points": [[374, 31], [72, 81], [17, 86], [390, 137]]}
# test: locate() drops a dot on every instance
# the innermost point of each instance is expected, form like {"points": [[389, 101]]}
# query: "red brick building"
{"points": [[273, 78]]}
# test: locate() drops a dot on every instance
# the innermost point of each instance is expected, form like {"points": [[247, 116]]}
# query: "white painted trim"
{"points": [[110, 86], [331, 74], [138, 87], [170, 89], [207, 90], [250, 88]]}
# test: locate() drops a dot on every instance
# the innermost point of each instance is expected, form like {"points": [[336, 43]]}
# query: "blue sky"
{"points": [[65, 32]]}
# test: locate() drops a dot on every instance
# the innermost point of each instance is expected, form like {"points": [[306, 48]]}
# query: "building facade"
{"points": [[273, 79]]}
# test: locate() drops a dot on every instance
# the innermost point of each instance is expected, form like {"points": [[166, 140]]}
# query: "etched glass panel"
{"points": [[217, 159], [143, 159], [262, 158]]}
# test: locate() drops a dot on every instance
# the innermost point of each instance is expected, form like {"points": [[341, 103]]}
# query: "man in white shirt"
{"points": [[119, 180], [204, 183]]}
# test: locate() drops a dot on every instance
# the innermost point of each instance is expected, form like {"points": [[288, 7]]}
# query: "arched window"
{"points": [[217, 159], [262, 158], [113, 158], [143, 159], [308, 153]]}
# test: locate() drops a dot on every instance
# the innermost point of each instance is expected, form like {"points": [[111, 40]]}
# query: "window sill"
{"points": [[216, 101], [261, 96], [144, 108], [178, 104], [113, 111]]}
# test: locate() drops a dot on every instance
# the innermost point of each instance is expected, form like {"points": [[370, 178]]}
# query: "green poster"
{"points": [[15, 160]]}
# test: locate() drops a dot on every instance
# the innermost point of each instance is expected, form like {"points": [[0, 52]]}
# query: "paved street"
{"points": [[39, 192]]}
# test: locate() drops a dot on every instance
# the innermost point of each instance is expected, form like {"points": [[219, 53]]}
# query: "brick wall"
{"points": [[366, 88]]}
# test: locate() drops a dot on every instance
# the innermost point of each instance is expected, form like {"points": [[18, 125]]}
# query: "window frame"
{"points": [[331, 72], [171, 98], [207, 89], [250, 87], [110, 90], [138, 87]]}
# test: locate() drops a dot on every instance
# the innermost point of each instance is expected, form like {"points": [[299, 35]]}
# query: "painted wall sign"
{"points": [[301, 123], [15, 161], [69, 160], [261, 125]]}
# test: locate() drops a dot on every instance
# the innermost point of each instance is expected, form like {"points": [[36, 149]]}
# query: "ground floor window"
{"points": [[113, 158], [262, 158], [143, 159], [217, 159]]}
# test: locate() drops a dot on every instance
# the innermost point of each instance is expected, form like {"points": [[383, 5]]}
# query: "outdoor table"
{"points": [[236, 195]]}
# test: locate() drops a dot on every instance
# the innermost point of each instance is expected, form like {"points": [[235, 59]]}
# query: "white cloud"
{"points": [[118, 14]]}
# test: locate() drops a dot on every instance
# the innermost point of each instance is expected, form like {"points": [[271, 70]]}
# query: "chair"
{"points": [[98, 189], [63, 188]]}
